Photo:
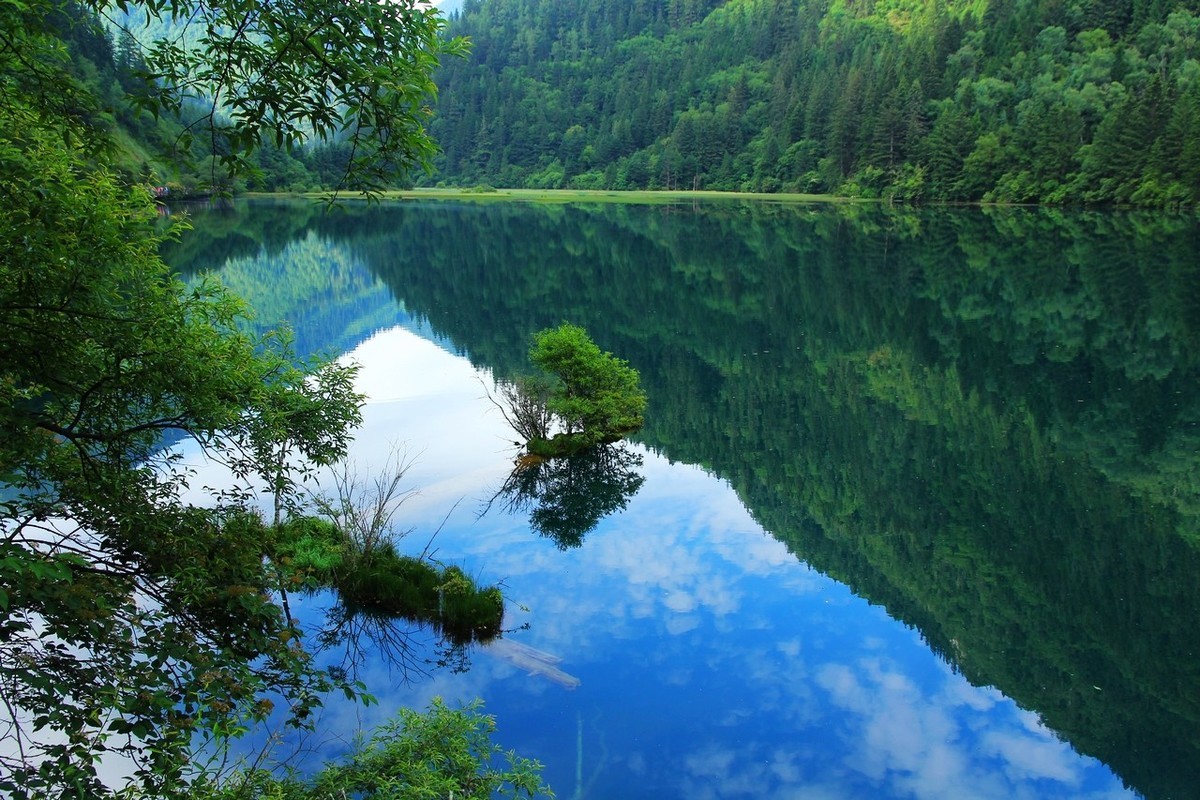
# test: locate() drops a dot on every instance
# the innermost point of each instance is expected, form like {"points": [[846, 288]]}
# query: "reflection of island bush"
{"points": [[583, 396], [567, 497], [378, 580]]}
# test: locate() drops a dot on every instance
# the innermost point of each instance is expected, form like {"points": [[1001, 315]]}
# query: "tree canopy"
{"points": [[597, 394]]}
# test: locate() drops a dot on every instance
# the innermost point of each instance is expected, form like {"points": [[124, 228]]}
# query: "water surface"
{"points": [[913, 515]]}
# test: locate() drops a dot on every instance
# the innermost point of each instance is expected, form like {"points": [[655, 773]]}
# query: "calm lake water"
{"points": [[914, 513]]}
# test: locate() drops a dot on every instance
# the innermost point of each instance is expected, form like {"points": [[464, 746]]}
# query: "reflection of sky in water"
{"points": [[712, 662]]}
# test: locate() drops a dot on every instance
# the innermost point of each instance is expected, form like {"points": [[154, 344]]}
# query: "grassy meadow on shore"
{"points": [[551, 196]]}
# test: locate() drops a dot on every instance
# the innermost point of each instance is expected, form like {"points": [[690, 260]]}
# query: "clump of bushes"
{"points": [[380, 581], [402, 586], [583, 396]]}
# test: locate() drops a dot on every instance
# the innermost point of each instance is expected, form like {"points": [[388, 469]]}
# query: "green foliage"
{"points": [[1048, 102], [132, 622], [598, 397], [317, 553], [358, 81], [385, 583], [311, 548], [104, 353], [192, 93], [310, 68], [305, 415], [441, 753]]}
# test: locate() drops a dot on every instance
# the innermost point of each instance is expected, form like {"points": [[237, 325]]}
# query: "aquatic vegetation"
{"points": [[381, 581]]}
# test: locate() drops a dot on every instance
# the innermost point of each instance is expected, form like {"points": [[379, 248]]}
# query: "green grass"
{"points": [[312, 546], [563, 196], [386, 584]]}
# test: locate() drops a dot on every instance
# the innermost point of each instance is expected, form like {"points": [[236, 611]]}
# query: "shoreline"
{"points": [[664, 197], [565, 196]]}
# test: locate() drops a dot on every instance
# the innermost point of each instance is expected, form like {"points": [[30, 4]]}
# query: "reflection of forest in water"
{"points": [[984, 420]]}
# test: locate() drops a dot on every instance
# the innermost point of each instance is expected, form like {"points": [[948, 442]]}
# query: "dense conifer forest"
{"points": [[1053, 101]]}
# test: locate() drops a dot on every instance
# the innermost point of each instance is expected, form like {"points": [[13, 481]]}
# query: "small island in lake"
{"points": [[582, 397]]}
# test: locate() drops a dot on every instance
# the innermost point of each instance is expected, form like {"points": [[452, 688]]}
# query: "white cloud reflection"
{"points": [[897, 739]]}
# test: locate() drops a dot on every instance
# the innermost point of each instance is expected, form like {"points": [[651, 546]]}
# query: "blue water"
{"points": [[696, 656], [711, 662]]}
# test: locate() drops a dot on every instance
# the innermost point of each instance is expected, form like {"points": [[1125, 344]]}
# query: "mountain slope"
{"points": [[1016, 101]]}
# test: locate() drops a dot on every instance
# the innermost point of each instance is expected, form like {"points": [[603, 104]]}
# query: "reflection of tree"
{"points": [[567, 497], [363, 634]]}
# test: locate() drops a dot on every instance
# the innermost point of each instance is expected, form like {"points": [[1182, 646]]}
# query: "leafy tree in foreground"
{"points": [[131, 619], [136, 621]]}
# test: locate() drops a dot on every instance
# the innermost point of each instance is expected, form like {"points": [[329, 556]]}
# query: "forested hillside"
{"points": [[1059, 101]]}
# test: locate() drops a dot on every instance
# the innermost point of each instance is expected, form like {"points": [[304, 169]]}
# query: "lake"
{"points": [[915, 512]]}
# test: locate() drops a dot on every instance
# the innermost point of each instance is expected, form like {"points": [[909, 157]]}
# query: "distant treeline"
{"points": [[1055, 101]]}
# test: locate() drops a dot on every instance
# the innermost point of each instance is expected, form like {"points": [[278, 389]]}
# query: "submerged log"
{"points": [[532, 660]]}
